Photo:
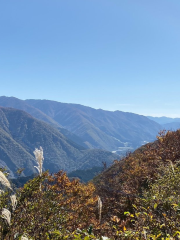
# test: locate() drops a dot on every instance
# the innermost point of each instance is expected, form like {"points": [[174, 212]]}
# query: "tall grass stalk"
{"points": [[99, 209], [39, 159]]}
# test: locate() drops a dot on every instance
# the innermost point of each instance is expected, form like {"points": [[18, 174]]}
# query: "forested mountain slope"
{"points": [[100, 128], [35, 112], [91, 128], [20, 134]]}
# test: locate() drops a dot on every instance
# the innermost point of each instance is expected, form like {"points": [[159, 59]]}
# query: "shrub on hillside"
{"points": [[55, 210]]}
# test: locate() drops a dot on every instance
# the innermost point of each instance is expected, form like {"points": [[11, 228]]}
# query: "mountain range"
{"points": [[90, 128], [73, 136], [20, 134]]}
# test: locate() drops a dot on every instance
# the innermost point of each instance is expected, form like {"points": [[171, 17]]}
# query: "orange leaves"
{"points": [[75, 198], [126, 180], [61, 203], [135, 171]]}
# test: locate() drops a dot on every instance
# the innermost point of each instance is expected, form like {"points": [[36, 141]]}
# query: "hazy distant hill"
{"points": [[173, 126], [167, 123], [20, 134], [164, 120], [100, 128]]}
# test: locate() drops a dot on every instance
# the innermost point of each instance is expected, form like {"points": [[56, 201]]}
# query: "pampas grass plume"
{"points": [[39, 159], [13, 201], [24, 237], [6, 215], [4, 180]]}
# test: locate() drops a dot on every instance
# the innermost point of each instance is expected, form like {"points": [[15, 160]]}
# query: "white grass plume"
{"points": [[4, 180], [172, 166], [99, 208], [39, 159], [6, 215], [24, 237], [13, 201]]}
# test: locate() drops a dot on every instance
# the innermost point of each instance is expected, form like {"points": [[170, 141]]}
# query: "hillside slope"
{"points": [[100, 128], [141, 167], [20, 134], [35, 112]]}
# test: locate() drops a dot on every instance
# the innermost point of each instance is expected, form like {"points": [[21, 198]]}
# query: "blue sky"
{"points": [[109, 54]]}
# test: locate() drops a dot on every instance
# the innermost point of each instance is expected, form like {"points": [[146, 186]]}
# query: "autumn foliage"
{"points": [[127, 182], [139, 198]]}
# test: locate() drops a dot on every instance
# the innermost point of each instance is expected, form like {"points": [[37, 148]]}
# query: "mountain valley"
{"points": [[20, 134]]}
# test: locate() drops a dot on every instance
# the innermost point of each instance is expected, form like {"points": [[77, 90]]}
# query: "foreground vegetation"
{"points": [[137, 198]]}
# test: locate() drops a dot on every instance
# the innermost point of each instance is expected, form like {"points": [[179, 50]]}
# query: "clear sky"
{"points": [[110, 54]]}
